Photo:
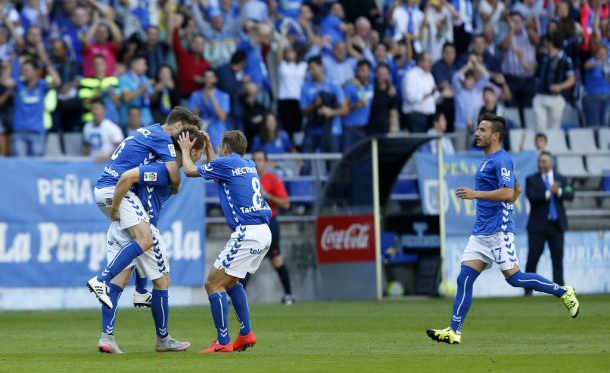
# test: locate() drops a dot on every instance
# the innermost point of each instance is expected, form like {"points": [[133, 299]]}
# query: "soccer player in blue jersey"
{"points": [[150, 183], [492, 238], [149, 144], [247, 214]]}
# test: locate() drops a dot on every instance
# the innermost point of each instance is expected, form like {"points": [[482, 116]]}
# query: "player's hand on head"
{"points": [[185, 142]]}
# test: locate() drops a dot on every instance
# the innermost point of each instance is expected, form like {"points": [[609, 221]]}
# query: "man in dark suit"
{"points": [[546, 190]]}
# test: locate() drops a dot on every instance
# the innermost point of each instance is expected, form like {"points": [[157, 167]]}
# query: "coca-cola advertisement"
{"points": [[341, 239]]}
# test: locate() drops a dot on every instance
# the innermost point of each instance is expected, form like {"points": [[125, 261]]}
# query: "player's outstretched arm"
{"points": [[128, 178], [186, 145], [174, 175], [502, 194]]}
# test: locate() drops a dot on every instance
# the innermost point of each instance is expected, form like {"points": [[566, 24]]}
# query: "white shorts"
{"points": [[152, 264], [498, 247], [131, 210], [245, 250]]}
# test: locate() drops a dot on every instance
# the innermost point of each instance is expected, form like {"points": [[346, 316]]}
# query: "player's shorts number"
{"points": [[257, 198]]}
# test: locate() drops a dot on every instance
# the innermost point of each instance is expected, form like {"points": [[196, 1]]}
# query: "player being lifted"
{"points": [[492, 237], [151, 184], [149, 144], [248, 215]]}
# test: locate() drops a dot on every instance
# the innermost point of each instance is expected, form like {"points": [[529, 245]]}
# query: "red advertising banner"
{"points": [[342, 239]]}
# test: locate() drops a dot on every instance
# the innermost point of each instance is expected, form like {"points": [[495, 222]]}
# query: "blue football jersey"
{"points": [[154, 189], [148, 144], [495, 172], [240, 190]]}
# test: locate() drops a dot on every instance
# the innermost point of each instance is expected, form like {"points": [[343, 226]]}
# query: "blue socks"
{"points": [[109, 315], [160, 311], [535, 282], [240, 304], [463, 297], [140, 282], [127, 254], [220, 313]]}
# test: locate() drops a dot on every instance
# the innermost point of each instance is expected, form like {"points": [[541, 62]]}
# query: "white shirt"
{"points": [[416, 84], [291, 76], [437, 37], [445, 141], [102, 138], [400, 20], [495, 14]]}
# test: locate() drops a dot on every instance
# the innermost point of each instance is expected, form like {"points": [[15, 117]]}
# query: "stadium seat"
{"points": [[53, 146], [571, 165], [530, 118], [570, 117], [73, 142], [392, 252], [301, 192], [512, 116], [604, 139], [556, 141], [597, 164], [515, 136], [582, 140], [606, 181], [404, 188], [211, 194]]}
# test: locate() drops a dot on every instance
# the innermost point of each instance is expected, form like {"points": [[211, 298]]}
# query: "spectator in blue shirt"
{"points": [[339, 67], [322, 103], [289, 8], [272, 140], [213, 107], [359, 95], [28, 121], [251, 43], [333, 25], [74, 32], [136, 89], [443, 71], [596, 103]]}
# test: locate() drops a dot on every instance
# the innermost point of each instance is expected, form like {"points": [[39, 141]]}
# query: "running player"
{"points": [[493, 237], [248, 215], [276, 196], [147, 145], [151, 183]]}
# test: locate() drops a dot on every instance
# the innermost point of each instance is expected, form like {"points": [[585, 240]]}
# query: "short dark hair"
{"points": [[315, 59], [544, 152], [97, 101], [498, 123], [556, 40], [238, 57], [265, 155], [420, 56], [541, 135], [136, 57], [184, 115], [235, 141], [194, 134], [448, 45], [363, 63]]}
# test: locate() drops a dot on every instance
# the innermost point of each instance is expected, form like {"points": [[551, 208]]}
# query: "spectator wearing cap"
{"points": [[519, 61], [191, 64], [419, 95], [359, 95], [339, 67], [136, 89], [98, 41], [213, 106], [322, 103], [596, 103], [468, 83], [408, 21], [555, 77]]}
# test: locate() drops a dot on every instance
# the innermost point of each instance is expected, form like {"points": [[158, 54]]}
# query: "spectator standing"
{"points": [[556, 76], [253, 10], [213, 107], [519, 61], [408, 21], [546, 190], [220, 37], [253, 112], [339, 67], [491, 13], [333, 25], [101, 86], [272, 140], [134, 120], [98, 41], [155, 50], [596, 103], [74, 32], [254, 42], [136, 89], [6, 109], [439, 127], [68, 106], [480, 49], [532, 9], [322, 103], [28, 122], [439, 27], [359, 95], [463, 18], [468, 83], [291, 73], [165, 95], [383, 117], [419, 95], [230, 80], [101, 136], [491, 104], [443, 71]]}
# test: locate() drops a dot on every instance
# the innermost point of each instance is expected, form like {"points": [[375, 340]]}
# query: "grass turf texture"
{"points": [[500, 335]]}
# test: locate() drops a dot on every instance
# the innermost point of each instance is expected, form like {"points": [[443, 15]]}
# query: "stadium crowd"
{"points": [[313, 75]]}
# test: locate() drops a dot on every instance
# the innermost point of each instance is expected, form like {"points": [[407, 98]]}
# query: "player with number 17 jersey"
{"points": [[240, 191]]}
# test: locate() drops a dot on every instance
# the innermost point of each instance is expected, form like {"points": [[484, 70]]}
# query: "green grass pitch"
{"points": [[500, 335]]}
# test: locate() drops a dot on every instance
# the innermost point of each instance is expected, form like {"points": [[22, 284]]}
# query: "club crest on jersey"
{"points": [[505, 174], [172, 150], [150, 176]]}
